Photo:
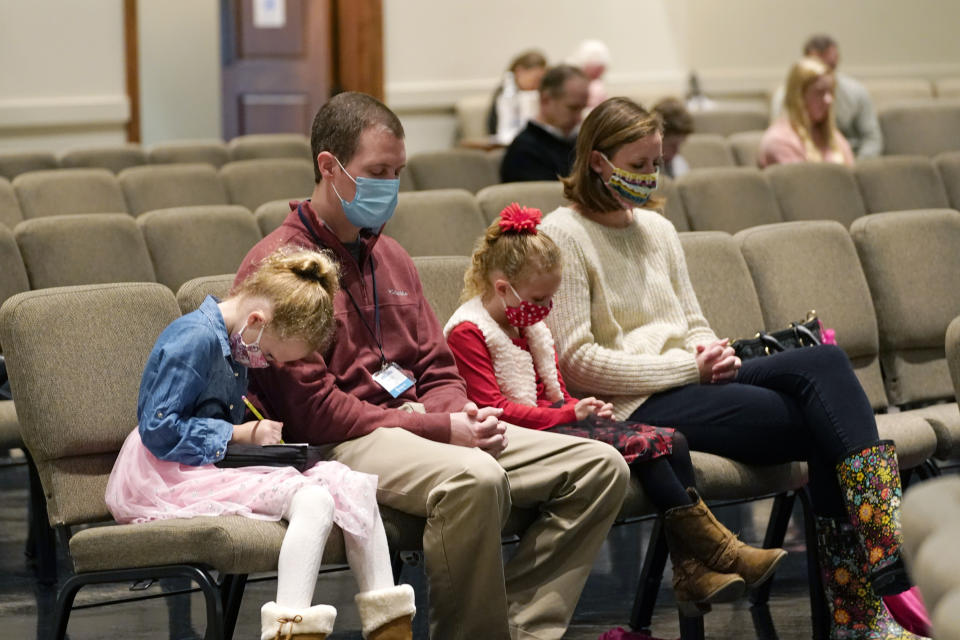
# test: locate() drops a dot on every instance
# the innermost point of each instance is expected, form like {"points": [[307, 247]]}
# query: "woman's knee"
{"points": [[828, 358]]}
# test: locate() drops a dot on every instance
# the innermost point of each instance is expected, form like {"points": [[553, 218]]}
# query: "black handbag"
{"points": [[299, 456], [799, 334]]}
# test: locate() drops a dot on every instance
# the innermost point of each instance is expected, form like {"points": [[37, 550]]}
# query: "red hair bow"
{"points": [[520, 219]]}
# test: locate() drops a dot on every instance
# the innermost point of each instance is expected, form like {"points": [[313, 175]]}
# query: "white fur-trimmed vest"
{"points": [[516, 369]]}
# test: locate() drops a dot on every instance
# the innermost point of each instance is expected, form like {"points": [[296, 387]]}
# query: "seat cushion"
{"points": [[945, 420], [9, 428], [915, 439]]}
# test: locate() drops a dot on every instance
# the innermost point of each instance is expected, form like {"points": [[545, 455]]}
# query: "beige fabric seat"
{"points": [[891, 91], [911, 261], [726, 120], [13, 280], [948, 164], [114, 159], [87, 248], [468, 169], [746, 147], [672, 208], [931, 524], [948, 88], [271, 215], [67, 191], [9, 207], [192, 292], [189, 242], [706, 150], [926, 128], [727, 199], [14, 163], [442, 278], [270, 145], [816, 191], [545, 195], [441, 222], [899, 183], [166, 186], [213, 152], [250, 183], [789, 263]]}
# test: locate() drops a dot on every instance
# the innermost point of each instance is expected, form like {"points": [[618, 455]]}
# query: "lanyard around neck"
{"points": [[375, 332]]}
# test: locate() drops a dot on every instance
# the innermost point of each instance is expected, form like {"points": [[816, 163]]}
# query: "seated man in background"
{"points": [[677, 125], [544, 149], [387, 398], [853, 109]]}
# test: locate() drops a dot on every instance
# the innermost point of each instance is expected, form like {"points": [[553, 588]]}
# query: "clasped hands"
{"points": [[717, 362]]}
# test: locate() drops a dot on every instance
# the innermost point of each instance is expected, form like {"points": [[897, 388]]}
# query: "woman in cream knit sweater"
{"points": [[628, 329]]}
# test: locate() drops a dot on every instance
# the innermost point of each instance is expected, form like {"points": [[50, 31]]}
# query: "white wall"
{"points": [[179, 69], [61, 74], [437, 51]]}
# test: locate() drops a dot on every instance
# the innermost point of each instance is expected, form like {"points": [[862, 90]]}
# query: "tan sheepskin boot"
{"points": [[387, 614], [286, 623]]}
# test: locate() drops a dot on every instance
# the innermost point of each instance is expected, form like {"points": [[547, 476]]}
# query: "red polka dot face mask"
{"points": [[526, 313]]}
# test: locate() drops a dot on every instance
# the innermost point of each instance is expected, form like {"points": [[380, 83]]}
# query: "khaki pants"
{"points": [[577, 485]]}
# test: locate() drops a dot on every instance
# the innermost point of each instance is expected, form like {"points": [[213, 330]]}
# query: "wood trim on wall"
{"points": [[132, 63], [358, 46]]}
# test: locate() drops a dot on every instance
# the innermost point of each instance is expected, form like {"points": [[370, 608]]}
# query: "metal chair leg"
{"points": [[651, 575], [691, 628], [231, 593], [41, 541], [819, 613], [776, 532]]}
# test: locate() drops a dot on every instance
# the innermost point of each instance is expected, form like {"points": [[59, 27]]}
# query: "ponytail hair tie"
{"points": [[518, 219]]}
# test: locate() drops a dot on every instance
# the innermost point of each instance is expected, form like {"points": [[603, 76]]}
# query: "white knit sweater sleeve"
{"points": [[592, 367], [698, 329]]}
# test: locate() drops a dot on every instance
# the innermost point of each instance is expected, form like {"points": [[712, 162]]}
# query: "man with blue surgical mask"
{"points": [[387, 397]]}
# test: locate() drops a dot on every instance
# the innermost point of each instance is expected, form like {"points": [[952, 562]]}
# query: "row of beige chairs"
{"points": [[248, 183], [739, 280], [119, 157], [734, 198]]}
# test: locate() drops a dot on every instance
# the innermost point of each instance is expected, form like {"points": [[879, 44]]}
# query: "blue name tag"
{"points": [[393, 380]]}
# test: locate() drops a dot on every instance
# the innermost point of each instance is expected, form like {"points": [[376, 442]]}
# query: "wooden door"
{"points": [[277, 64]]}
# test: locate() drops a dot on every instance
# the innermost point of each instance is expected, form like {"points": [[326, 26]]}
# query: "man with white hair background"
{"points": [[593, 57]]}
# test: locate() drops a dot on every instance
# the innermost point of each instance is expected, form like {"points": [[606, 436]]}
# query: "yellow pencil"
{"points": [[252, 408]]}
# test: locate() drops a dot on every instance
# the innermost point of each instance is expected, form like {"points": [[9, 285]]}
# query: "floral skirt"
{"points": [[635, 440]]}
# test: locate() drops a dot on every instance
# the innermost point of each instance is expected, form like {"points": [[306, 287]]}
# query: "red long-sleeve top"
{"points": [[476, 368]]}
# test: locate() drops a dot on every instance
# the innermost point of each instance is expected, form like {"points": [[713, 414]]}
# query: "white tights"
{"points": [[310, 518]]}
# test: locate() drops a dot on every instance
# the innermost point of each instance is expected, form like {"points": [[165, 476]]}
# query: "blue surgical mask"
{"points": [[374, 202]]}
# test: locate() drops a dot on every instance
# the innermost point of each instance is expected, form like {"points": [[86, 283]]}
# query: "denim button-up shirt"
{"points": [[191, 390]]}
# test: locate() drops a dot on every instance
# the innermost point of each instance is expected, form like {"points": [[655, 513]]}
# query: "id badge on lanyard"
{"points": [[392, 378]]}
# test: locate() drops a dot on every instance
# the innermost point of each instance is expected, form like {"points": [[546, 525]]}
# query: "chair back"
{"points": [[897, 183], [706, 150], [114, 159], [813, 265], [441, 222], [816, 191], [926, 128], [442, 279], [192, 293], [468, 169], [175, 185], [75, 357], [10, 214], [14, 163], [189, 242], [948, 164], [271, 215], [213, 152], [546, 196], [727, 199], [270, 145], [91, 248], [250, 183], [66, 191], [730, 119], [746, 147], [13, 275], [911, 260]]}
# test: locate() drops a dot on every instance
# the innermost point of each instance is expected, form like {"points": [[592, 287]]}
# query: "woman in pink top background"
{"points": [[807, 131]]}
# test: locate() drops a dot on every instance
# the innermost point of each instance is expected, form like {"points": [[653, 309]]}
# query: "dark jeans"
{"points": [[802, 404]]}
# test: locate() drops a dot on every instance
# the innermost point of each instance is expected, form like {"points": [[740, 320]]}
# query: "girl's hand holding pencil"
{"points": [[263, 431]]}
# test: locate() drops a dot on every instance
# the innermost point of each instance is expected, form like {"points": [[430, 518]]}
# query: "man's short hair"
{"points": [[556, 77], [676, 119], [818, 44], [339, 123]]}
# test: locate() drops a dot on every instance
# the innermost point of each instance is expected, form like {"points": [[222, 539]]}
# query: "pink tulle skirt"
{"points": [[143, 488]]}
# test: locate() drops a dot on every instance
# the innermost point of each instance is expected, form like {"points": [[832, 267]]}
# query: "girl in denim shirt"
{"points": [[190, 407]]}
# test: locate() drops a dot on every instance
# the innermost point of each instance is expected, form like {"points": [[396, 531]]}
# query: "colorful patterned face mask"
{"points": [[526, 313], [635, 188], [249, 355]]}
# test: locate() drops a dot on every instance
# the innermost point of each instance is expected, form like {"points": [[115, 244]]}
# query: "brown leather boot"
{"points": [[704, 538], [387, 614], [695, 586]]}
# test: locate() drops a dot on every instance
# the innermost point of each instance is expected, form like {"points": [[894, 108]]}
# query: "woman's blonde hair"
{"points": [[612, 124], [300, 285], [802, 74], [512, 251]]}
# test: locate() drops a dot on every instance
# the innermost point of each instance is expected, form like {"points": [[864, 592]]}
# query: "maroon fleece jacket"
{"points": [[331, 396]]}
